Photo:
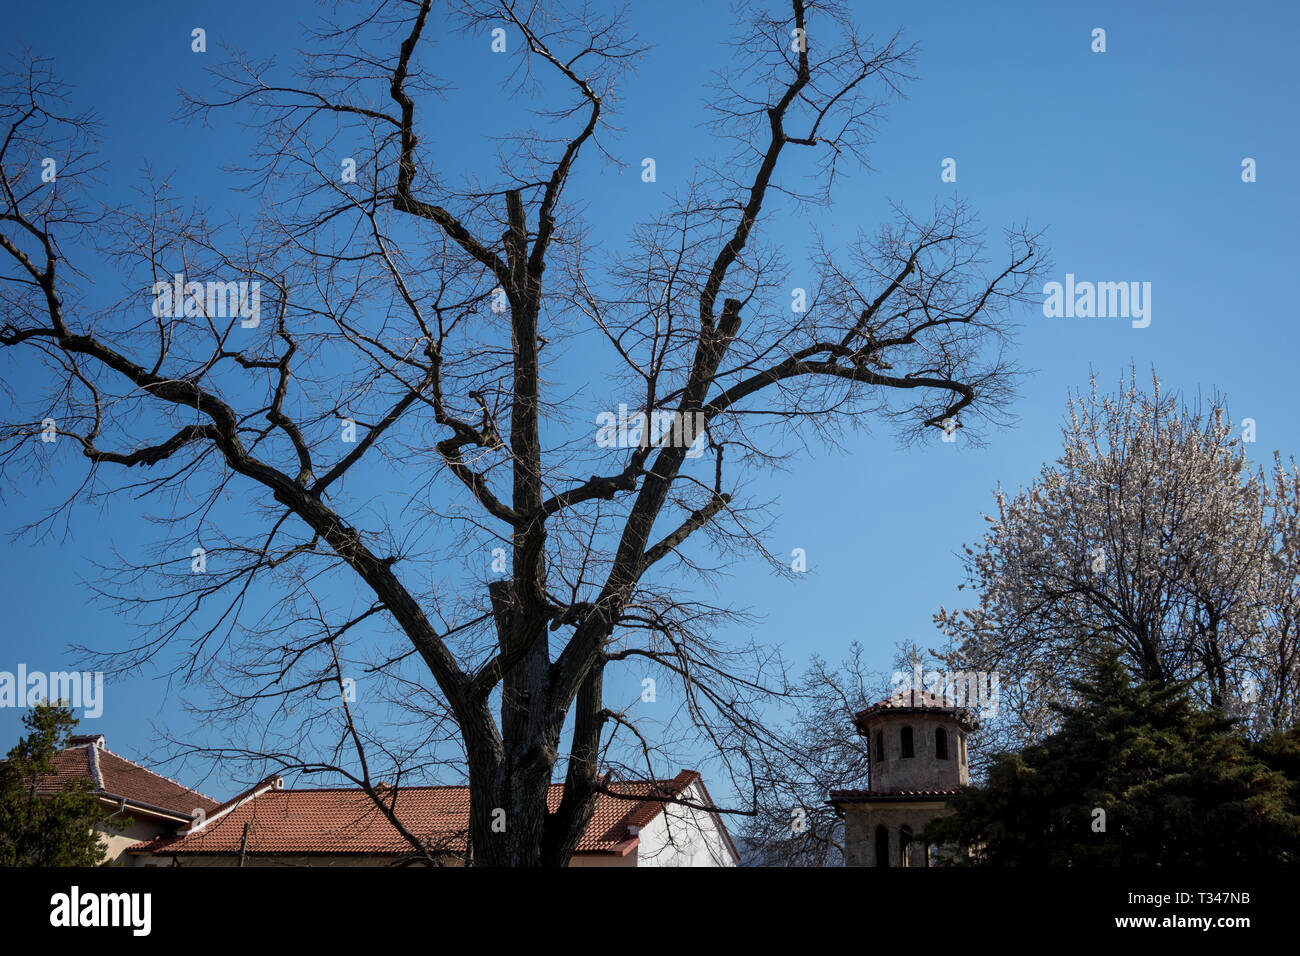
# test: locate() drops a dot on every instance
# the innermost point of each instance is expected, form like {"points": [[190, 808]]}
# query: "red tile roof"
{"points": [[910, 701], [346, 820], [114, 777]]}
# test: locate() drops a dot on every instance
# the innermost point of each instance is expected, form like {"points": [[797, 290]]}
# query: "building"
{"points": [[917, 763], [268, 825], [649, 823], [153, 804]]}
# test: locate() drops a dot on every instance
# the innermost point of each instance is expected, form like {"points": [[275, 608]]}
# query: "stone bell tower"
{"points": [[917, 763]]}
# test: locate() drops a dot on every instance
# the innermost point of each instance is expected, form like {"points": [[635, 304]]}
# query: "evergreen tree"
{"points": [[52, 830], [1136, 776]]}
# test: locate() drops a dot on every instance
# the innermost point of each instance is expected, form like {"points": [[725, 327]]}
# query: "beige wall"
{"points": [[861, 820], [603, 859], [140, 829], [924, 770]]}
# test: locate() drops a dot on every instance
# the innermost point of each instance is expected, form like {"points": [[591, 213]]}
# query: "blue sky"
{"points": [[1130, 159]]}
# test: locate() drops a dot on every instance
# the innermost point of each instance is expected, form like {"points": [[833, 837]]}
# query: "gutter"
{"points": [[123, 802]]}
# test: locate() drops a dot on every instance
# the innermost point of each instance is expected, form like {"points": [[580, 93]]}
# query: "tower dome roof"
{"points": [[912, 701]]}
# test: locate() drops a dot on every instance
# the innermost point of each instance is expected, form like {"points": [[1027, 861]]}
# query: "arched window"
{"points": [[880, 745], [941, 744], [904, 845], [907, 742], [882, 846]]}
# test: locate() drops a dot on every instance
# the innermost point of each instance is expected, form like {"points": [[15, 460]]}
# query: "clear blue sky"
{"points": [[1131, 159]]}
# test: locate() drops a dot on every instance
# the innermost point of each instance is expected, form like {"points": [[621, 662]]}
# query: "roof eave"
{"points": [[891, 798], [162, 812]]}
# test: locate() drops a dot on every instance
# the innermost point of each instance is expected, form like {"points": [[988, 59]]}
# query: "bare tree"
{"points": [[427, 314], [794, 825]]}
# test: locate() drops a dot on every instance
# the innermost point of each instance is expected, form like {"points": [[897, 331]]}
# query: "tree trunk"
{"points": [[569, 822], [510, 776]]}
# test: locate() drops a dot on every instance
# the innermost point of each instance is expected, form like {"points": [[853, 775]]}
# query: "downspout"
{"points": [[121, 808]]}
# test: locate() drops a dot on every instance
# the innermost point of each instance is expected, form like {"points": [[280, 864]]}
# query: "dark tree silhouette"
{"points": [[39, 827], [1136, 776]]}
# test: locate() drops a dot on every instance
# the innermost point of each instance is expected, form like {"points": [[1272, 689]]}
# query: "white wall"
{"points": [[685, 836]]}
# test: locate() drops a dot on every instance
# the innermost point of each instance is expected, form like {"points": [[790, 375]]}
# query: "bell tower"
{"points": [[917, 763]]}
